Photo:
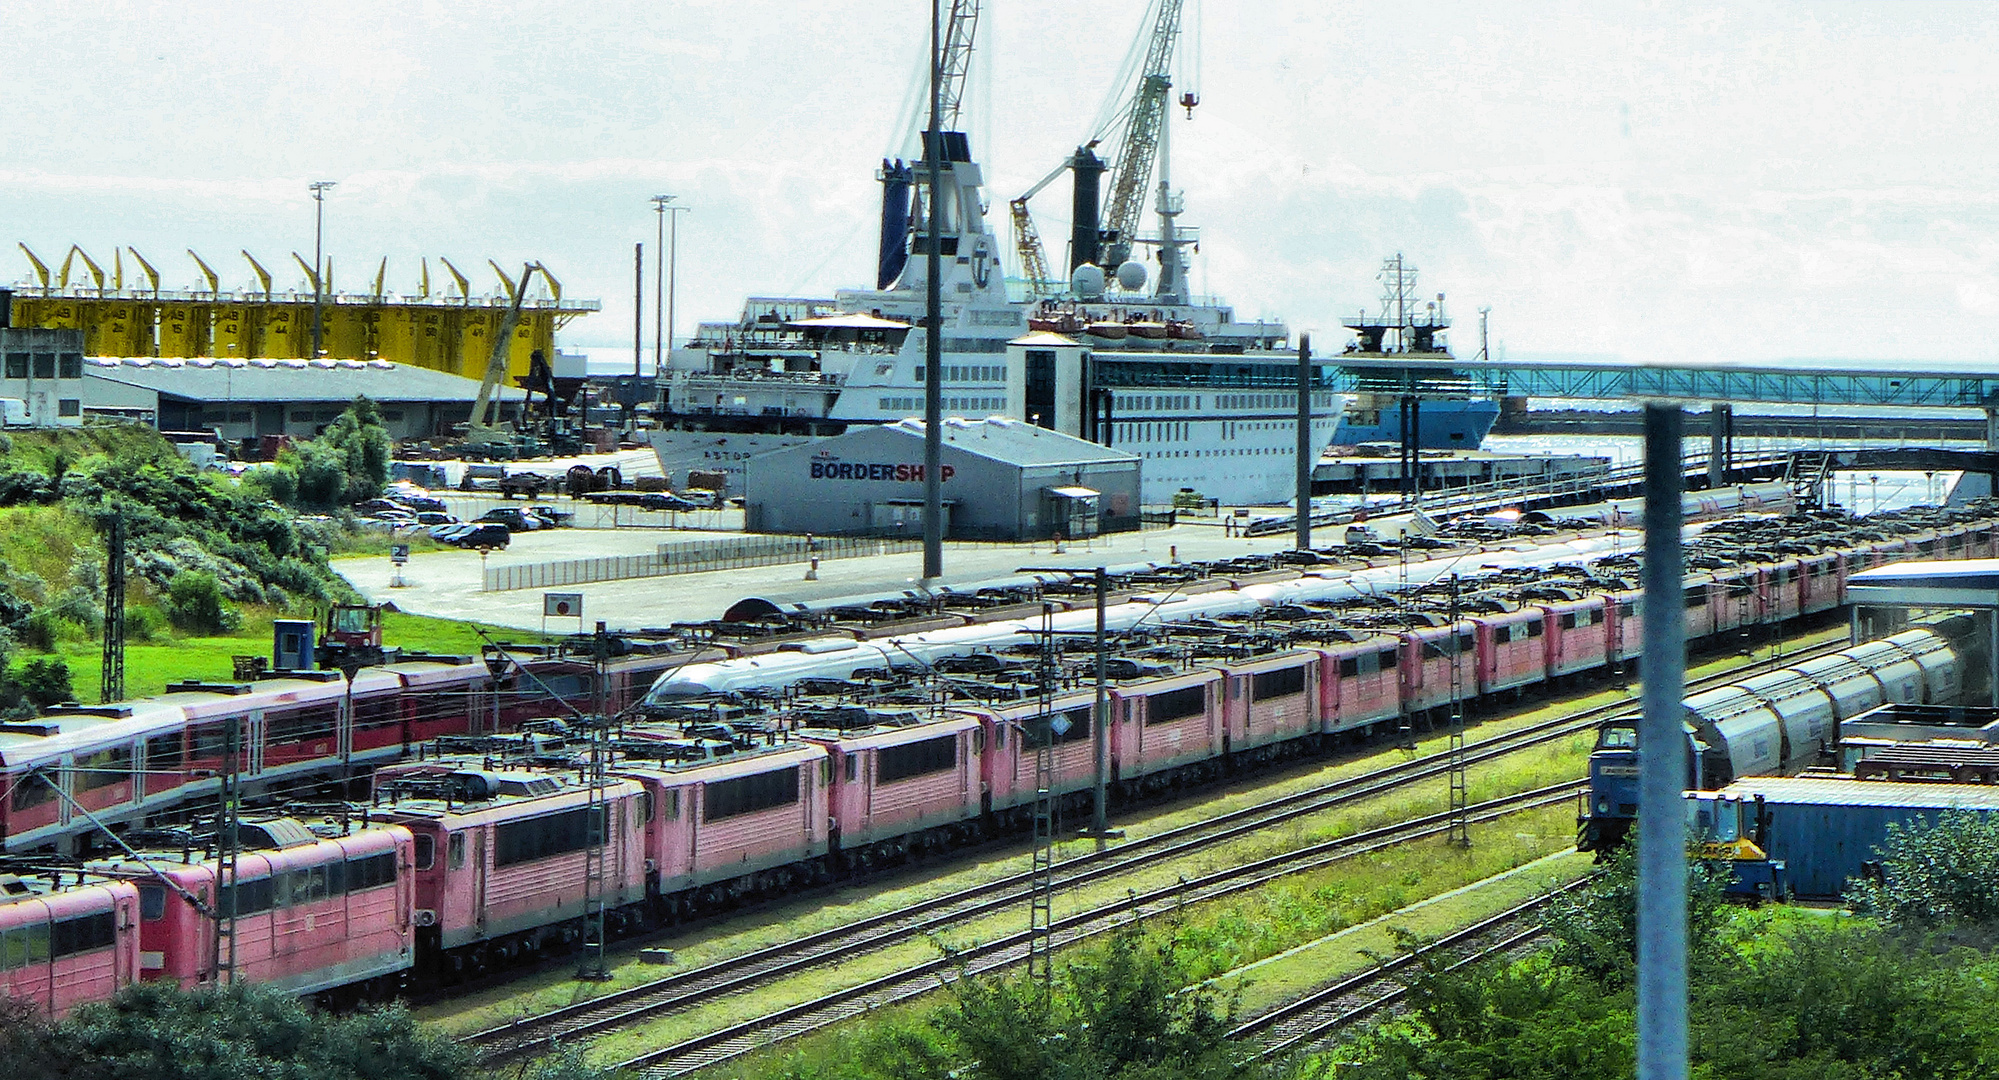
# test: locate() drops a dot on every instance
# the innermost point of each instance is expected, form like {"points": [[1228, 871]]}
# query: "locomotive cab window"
{"points": [[1176, 705], [455, 852], [893, 763], [426, 851], [1276, 684], [32, 789]]}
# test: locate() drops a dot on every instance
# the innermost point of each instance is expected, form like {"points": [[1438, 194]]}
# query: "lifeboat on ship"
{"points": [[1055, 322], [1147, 329], [1183, 330], [1108, 329]]}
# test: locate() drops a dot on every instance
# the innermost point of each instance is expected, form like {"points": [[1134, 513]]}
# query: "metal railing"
{"points": [[691, 557]]}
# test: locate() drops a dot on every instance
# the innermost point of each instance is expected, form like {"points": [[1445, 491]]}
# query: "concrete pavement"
{"points": [[446, 584]]}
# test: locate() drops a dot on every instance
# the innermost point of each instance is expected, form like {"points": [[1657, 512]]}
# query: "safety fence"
{"points": [[691, 557]]}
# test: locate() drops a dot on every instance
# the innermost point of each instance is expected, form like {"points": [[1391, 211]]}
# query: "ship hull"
{"points": [[1442, 424]]}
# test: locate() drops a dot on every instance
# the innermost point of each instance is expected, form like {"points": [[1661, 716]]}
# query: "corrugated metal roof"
{"points": [[1015, 442], [1845, 791], [287, 380]]}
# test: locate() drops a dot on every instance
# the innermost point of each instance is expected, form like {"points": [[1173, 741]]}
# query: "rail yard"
{"points": [[458, 819]]}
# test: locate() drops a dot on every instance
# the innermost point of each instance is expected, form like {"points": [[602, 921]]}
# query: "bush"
{"points": [[1122, 1010], [1595, 929], [194, 603], [45, 681], [1935, 872], [276, 481]]}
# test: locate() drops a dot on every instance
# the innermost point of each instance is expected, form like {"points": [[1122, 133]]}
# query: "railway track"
{"points": [[538, 1034], [1333, 1009], [742, 1038]]}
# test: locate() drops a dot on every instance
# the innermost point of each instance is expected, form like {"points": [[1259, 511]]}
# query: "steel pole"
{"points": [[1304, 442], [672, 271], [933, 321], [1662, 767], [1100, 718], [638, 305], [658, 283], [319, 190]]}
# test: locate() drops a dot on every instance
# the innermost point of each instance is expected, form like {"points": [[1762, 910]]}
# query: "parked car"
{"points": [[487, 535], [435, 517], [666, 500], [550, 517], [380, 506], [393, 519], [448, 533], [512, 518]]}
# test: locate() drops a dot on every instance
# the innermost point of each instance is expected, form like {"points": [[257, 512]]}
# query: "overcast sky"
{"points": [[1743, 181]]}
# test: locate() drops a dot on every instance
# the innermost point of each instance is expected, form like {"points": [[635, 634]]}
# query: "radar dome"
{"points": [[1088, 280], [1131, 276]]}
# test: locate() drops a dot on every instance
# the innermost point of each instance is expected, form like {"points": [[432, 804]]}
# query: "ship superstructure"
{"points": [[1450, 413]]}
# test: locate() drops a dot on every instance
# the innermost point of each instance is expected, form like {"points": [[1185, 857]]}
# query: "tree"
{"points": [[1595, 928], [45, 681], [364, 448], [1123, 1011], [156, 1031], [1493, 1019], [1936, 872], [194, 603], [347, 463]]}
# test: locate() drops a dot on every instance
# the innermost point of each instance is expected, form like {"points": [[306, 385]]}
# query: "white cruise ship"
{"points": [[1209, 402]]}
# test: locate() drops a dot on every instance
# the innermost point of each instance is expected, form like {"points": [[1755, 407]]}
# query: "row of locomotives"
{"points": [[1785, 721], [474, 853]]}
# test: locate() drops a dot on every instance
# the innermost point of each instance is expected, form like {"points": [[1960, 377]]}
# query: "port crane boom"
{"points": [[1133, 170], [1027, 239], [479, 428], [957, 61], [1143, 120]]}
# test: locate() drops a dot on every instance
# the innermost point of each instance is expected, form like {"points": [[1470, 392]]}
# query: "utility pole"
{"points": [[658, 284], [113, 686], [597, 837], [1662, 766], [1460, 824], [228, 823], [1304, 542], [1100, 718], [638, 305], [933, 318], [319, 190], [1041, 897]]}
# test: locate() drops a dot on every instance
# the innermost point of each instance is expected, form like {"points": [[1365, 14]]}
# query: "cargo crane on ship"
{"points": [[1143, 120]]}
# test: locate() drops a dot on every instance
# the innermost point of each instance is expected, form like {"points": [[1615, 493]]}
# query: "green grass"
{"points": [[151, 665]]}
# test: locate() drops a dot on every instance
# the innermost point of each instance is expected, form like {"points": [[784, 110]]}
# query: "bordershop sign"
{"points": [[874, 470]]}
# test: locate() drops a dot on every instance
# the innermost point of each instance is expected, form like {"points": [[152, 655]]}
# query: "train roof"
{"points": [[78, 727], [1847, 791], [1931, 583], [465, 789]]}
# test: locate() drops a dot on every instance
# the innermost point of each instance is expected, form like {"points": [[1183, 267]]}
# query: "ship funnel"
{"points": [[1084, 238]]}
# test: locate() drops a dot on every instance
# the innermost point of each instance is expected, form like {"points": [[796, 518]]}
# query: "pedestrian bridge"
{"points": [[1878, 383]]}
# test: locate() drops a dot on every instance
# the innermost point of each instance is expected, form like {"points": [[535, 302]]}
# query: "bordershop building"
{"points": [[1002, 480]]}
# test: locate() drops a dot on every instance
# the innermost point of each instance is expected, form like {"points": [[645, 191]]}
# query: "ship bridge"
{"points": [[1883, 384]]}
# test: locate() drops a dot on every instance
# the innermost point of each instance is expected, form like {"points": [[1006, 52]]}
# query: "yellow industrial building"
{"points": [[451, 331]]}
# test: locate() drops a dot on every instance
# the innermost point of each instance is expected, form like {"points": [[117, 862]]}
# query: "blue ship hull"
{"points": [[1442, 424]]}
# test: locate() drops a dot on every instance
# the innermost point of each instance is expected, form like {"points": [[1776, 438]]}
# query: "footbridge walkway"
{"points": [[1886, 384]]}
